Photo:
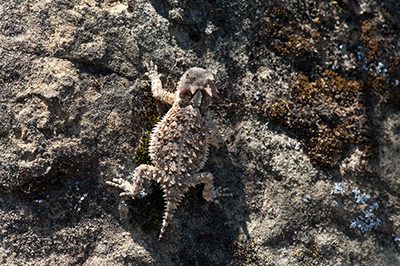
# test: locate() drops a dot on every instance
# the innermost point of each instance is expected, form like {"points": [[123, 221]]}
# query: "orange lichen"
{"points": [[370, 39], [325, 114], [309, 255], [287, 36]]}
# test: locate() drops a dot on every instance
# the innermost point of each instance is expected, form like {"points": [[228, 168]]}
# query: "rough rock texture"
{"points": [[308, 110]]}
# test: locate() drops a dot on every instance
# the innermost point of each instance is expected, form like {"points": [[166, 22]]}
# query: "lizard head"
{"points": [[197, 79]]}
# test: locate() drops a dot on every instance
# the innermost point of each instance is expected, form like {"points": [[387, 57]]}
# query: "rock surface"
{"points": [[313, 166]]}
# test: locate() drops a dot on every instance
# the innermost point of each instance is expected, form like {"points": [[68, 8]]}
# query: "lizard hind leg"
{"points": [[209, 191], [132, 187]]}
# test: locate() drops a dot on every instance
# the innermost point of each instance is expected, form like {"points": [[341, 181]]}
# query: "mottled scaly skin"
{"points": [[179, 142]]}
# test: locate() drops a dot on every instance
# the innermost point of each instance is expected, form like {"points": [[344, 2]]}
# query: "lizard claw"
{"points": [[152, 70]]}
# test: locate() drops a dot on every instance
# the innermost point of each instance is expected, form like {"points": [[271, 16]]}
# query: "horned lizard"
{"points": [[179, 142]]}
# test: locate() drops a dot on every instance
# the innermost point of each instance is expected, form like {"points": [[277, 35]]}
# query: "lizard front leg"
{"points": [[156, 87], [213, 136]]}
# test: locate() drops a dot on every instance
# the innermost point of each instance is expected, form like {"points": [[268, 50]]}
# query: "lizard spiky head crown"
{"points": [[198, 79]]}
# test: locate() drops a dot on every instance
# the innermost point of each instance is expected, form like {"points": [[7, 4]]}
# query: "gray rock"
{"points": [[73, 111]]}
